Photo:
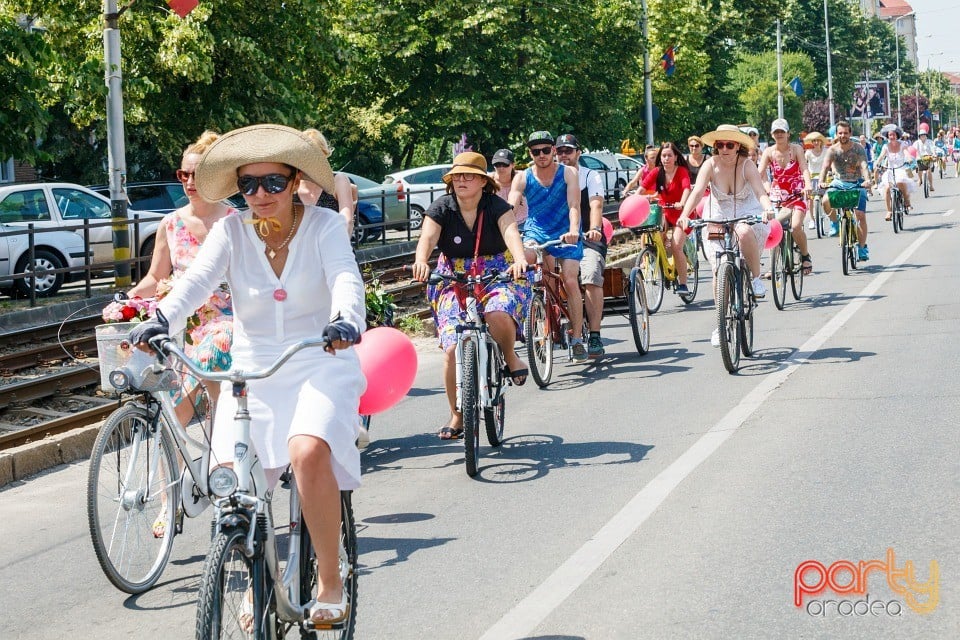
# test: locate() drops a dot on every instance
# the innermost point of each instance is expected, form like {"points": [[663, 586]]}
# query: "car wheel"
{"points": [[44, 262], [362, 235], [415, 215]]}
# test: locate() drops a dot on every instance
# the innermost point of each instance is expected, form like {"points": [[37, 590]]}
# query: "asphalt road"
{"points": [[640, 497]]}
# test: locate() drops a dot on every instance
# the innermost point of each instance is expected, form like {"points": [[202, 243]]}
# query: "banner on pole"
{"points": [[871, 99]]}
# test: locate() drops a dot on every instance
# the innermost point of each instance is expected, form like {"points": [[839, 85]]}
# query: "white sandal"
{"points": [[340, 610]]}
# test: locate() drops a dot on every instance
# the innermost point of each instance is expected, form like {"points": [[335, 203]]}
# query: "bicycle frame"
{"points": [[554, 293], [472, 327], [654, 238]]}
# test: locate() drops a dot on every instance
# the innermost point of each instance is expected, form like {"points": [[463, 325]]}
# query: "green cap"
{"points": [[540, 137]]}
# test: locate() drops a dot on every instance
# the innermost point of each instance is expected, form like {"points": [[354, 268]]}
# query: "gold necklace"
{"points": [[271, 252]]}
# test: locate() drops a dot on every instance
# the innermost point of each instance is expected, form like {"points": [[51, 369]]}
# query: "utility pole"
{"points": [[780, 74], [647, 83], [115, 143], [826, 28]]}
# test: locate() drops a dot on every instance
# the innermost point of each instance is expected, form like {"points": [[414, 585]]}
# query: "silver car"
{"points": [[53, 250]]}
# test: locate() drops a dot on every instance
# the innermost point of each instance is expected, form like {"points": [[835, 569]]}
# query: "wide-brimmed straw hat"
{"points": [[814, 136], [216, 173], [469, 162], [727, 132]]}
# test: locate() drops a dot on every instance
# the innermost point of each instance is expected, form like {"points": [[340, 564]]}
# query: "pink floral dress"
{"points": [[210, 330]]}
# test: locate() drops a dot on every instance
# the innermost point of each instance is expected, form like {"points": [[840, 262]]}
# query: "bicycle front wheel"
{"points": [[727, 322], [228, 604], [539, 335], [925, 178], [652, 278], [796, 272], [639, 314], [779, 274], [470, 407], [348, 573], [818, 217], [693, 275], [132, 485], [844, 243]]}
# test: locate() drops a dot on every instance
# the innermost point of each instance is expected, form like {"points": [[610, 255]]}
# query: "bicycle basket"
{"points": [[844, 198], [655, 219]]}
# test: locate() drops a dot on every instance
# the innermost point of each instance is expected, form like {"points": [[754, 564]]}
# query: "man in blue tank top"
{"points": [[553, 211]]}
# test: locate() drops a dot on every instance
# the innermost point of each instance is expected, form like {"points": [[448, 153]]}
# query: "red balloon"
{"points": [[698, 210], [634, 210], [388, 360], [607, 230], [775, 235]]}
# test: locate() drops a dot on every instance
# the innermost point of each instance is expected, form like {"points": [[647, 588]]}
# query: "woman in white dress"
{"points": [[293, 276], [736, 190], [894, 159]]}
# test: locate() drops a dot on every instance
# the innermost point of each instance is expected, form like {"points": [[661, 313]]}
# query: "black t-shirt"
{"points": [[456, 238]]}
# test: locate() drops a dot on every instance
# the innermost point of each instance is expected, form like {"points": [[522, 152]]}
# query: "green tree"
{"points": [[24, 92]]}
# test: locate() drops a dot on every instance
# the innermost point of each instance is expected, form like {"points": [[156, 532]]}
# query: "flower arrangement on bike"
{"points": [[293, 277], [476, 232]]}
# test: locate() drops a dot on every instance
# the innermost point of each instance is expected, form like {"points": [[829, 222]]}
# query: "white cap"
{"points": [[779, 125]]}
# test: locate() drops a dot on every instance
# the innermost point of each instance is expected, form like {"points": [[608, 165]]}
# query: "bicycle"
{"points": [[941, 163], [477, 351], [735, 299], [816, 206], [898, 208], [657, 265], [134, 480], [548, 323], [786, 260], [844, 199], [242, 575], [925, 166]]}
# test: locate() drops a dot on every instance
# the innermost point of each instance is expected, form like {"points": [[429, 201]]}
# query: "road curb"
{"points": [[19, 463]]}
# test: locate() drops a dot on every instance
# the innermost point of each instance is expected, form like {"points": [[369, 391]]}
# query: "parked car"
{"points": [[52, 250], [62, 205], [387, 199], [422, 186], [615, 176], [160, 197], [368, 225]]}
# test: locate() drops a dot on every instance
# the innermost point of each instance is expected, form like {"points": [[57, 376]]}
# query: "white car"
{"points": [[422, 186], [63, 205], [610, 166], [52, 250]]}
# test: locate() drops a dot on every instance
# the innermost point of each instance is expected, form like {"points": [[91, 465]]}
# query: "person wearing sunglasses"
{"points": [[736, 190], [504, 171], [476, 232], [671, 186], [344, 190], [552, 191], [293, 277], [695, 158]]}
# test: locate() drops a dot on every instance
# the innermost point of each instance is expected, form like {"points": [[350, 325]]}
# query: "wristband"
{"points": [[600, 229]]}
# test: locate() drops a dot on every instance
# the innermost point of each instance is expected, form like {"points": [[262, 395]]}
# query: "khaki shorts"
{"points": [[592, 265]]}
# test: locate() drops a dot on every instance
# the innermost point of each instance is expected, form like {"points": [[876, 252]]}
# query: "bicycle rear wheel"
{"points": [[652, 278], [228, 603], [745, 309], [493, 417], [727, 322], [132, 483], [925, 179], [539, 335], [778, 276], [818, 217], [639, 314], [348, 573], [693, 276], [895, 200], [470, 407], [796, 271]]}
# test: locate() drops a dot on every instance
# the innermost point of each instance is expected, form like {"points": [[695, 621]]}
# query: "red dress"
{"points": [[787, 181], [671, 194]]}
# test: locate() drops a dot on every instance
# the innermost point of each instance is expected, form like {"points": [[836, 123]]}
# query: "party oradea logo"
{"points": [[813, 582]]}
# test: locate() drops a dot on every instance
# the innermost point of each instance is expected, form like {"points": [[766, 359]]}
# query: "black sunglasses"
{"points": [[720, 144], [273, 183], [501, 165], [539, 151]]}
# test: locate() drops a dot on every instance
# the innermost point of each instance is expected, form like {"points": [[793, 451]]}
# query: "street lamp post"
{"points": [[896, 34], [826, 28], [647, 83]]}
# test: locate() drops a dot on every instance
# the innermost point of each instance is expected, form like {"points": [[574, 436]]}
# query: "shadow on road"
{"points": [[396, 550]]}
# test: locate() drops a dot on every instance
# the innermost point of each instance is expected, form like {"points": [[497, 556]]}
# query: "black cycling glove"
{"points": [[149, 329], [341, 330]]}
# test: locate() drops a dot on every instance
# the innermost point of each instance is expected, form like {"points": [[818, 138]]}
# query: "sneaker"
{"points": [[594, 347], [579, 351], [863, 254], [715, 338], [759, 289], [811, 225], [834, 229], [682, 290]]}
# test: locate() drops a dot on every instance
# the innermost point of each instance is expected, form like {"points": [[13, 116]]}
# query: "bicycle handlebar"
{"points": [[727, 222], [165, 346], [467, 278]]}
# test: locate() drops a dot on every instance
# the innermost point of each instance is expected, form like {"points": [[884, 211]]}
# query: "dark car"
{"points": [[162, 197]]}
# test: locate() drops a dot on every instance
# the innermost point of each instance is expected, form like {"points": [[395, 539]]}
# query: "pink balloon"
{"points": [[634, 210], [912, 151], [698, 210], [775, 235], [388, 360], [607, 230]]}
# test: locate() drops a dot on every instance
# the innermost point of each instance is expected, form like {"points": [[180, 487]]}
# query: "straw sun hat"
{"points": [[727, 132], [814, 137], [469, 162], [216, 173]]}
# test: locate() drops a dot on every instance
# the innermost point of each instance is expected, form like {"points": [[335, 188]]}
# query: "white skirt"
{"points": [[314, 394]]}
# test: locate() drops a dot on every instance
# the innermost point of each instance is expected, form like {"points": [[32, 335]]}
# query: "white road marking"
{"points": [[526, 616], [948, 212]]}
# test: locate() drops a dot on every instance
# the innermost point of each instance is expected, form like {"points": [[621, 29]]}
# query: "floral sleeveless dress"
{"points": [[209, 332]]}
